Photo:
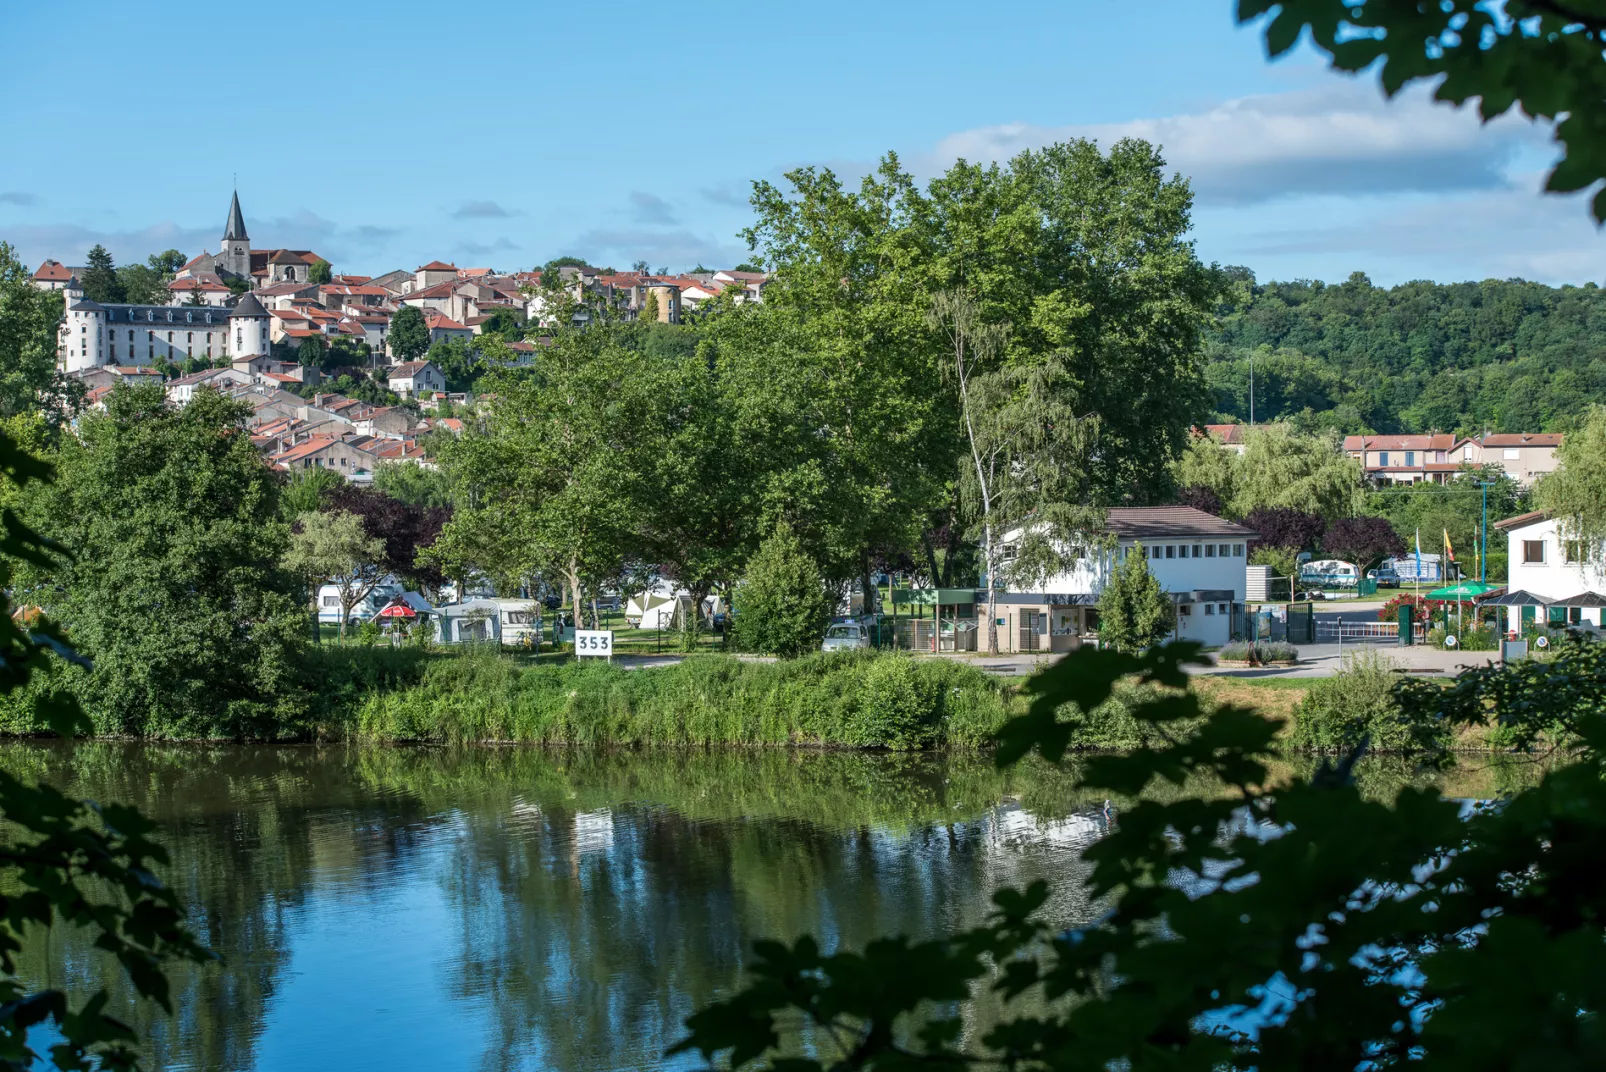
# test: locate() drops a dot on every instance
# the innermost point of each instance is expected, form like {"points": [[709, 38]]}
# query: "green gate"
{"points": [[1301, 623]]}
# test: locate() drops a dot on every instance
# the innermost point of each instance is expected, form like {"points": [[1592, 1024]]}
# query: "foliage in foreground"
{"points": [[1301, 926], [70, 862]]}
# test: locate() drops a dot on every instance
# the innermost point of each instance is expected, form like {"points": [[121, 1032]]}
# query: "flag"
{"points": [[1449, 555]]}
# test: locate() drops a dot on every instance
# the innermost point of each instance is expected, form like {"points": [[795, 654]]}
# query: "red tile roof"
{"points": [[436, 266], [52, 272], [1435, 441], [1522, 439]]}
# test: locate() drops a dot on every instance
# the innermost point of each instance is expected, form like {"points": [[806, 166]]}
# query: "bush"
{"points": [[1259, 651], [1472, 638], [898, 706], [781, 606], [1358, 702]]}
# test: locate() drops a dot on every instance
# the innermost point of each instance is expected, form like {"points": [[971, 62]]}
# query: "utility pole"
{"points": [[1251, 390], [1483, 563]]}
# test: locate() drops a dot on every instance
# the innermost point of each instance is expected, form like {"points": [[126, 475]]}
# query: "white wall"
{"points": [[1555, 577]]}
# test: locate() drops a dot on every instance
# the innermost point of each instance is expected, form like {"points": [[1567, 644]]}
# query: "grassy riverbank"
{"points": [[857, 700]]}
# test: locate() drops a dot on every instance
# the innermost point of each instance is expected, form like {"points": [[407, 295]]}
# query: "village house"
{"points": [[1411, 459], [53, 275], [207, 289], [181, 390], [412, 378]]}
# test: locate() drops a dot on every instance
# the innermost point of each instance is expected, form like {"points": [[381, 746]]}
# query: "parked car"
{"points": [[846, 637]]}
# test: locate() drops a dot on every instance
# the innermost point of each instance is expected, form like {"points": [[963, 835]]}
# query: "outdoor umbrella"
{"points": [[1464, 590], [397, 610]]}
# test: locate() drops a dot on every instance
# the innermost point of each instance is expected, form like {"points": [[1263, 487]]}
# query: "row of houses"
{"points": [[1434, 457], [275, 291]]}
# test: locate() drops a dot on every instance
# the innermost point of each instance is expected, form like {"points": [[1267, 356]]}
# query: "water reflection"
{"points": [[512, 908]]}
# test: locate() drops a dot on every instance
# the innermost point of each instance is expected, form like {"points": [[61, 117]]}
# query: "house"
{"points": [[427, 275], [205, 289], [111, 375], [53, 275], [1405, 459], [181, 390], [1198, 558], [1564, 577], [391, 422], [443, 327], [327, 452], [412, 378], [1411, 459], [1234, 437], [1524, 456]]}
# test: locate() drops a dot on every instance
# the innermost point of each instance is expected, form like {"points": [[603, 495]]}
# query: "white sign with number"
{"points": [[593, 643]]}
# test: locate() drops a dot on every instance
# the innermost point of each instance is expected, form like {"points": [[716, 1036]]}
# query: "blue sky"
{"points": [[504, 134]]}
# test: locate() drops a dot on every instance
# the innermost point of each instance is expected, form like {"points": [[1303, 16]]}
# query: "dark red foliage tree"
{"points": [[1200, 497], [406, 529], [1283, 526], [1362, 541]]}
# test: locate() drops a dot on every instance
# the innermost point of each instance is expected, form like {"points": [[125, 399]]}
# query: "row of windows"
{"points": [[1199, 550], [1534, 552], [1186, 609]]}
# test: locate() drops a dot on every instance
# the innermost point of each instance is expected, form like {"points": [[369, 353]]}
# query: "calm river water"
{"points": [[491, 909]]}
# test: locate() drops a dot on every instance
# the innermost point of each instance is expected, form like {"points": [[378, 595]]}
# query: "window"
{"points": [[1410, 457], [1196, 550], [1210, 608], [1237, 550], [130, 334], [1224, 550], [331, 601], [1170, 551], [1533, 552], [1221, 608], [1382, 457], [169, 336], [1511, 454], [1210, 550], [1184, 609], [1571, 552], [190, 337], [1438, 456]]}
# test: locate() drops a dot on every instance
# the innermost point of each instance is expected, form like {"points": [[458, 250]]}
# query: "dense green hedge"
{"points": [[852, 699]]}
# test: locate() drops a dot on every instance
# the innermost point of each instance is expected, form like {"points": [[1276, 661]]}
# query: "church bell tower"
{"points": [[235, 255]]}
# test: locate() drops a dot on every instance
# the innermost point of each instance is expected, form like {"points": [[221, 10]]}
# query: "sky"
{"points": [[499, 134]]}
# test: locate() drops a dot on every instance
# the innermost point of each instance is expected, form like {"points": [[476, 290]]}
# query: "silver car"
{"points": [[846, 638]]}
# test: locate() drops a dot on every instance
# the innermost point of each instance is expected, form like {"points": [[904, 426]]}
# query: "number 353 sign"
{"points": [[593, 643]]}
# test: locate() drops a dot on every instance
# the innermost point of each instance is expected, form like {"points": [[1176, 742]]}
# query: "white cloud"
{"points": [[1340, 138]]}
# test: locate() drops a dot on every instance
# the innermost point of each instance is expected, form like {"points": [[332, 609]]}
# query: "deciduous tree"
{"points": [[332, 547], [1363, 542], [409, 335]]}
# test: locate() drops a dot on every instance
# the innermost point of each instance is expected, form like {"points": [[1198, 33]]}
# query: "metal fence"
{"points": [[1360, 632]]}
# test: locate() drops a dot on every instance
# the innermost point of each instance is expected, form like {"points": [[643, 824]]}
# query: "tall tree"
{"points": [[781, 606], [173, 588], [100, 277], [29, 381], [409, 335]]}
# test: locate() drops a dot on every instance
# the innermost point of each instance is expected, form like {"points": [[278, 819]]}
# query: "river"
{"points": [[497, 909]]}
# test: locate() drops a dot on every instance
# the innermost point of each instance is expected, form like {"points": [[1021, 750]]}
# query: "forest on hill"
{"points": [[1500, 355]]}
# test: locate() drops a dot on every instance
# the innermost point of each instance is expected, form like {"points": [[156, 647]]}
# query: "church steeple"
{"points": [[236, 227]]}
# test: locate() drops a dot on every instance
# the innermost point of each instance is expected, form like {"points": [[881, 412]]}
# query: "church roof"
{"points": [[248, 306], [236, 226]]}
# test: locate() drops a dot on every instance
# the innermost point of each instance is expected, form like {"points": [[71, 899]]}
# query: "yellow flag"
{"points": [[1449, 552]]}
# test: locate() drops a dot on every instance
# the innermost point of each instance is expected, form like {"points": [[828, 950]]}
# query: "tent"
{"points": [[650, 610]]}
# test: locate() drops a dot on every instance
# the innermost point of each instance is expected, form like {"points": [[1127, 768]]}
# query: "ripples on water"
{"points": [[518, 909]]}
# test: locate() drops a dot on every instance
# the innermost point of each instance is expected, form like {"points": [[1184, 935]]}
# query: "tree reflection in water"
{"points": [[517, 908]]}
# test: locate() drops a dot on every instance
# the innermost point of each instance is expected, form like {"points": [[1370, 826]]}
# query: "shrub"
{"points": [[1358, 702], [1471, 638], [898, 707], [781, 606], [1260, 651]]}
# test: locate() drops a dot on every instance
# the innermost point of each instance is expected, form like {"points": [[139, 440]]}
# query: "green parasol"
{"points": [[1464, 590]]}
